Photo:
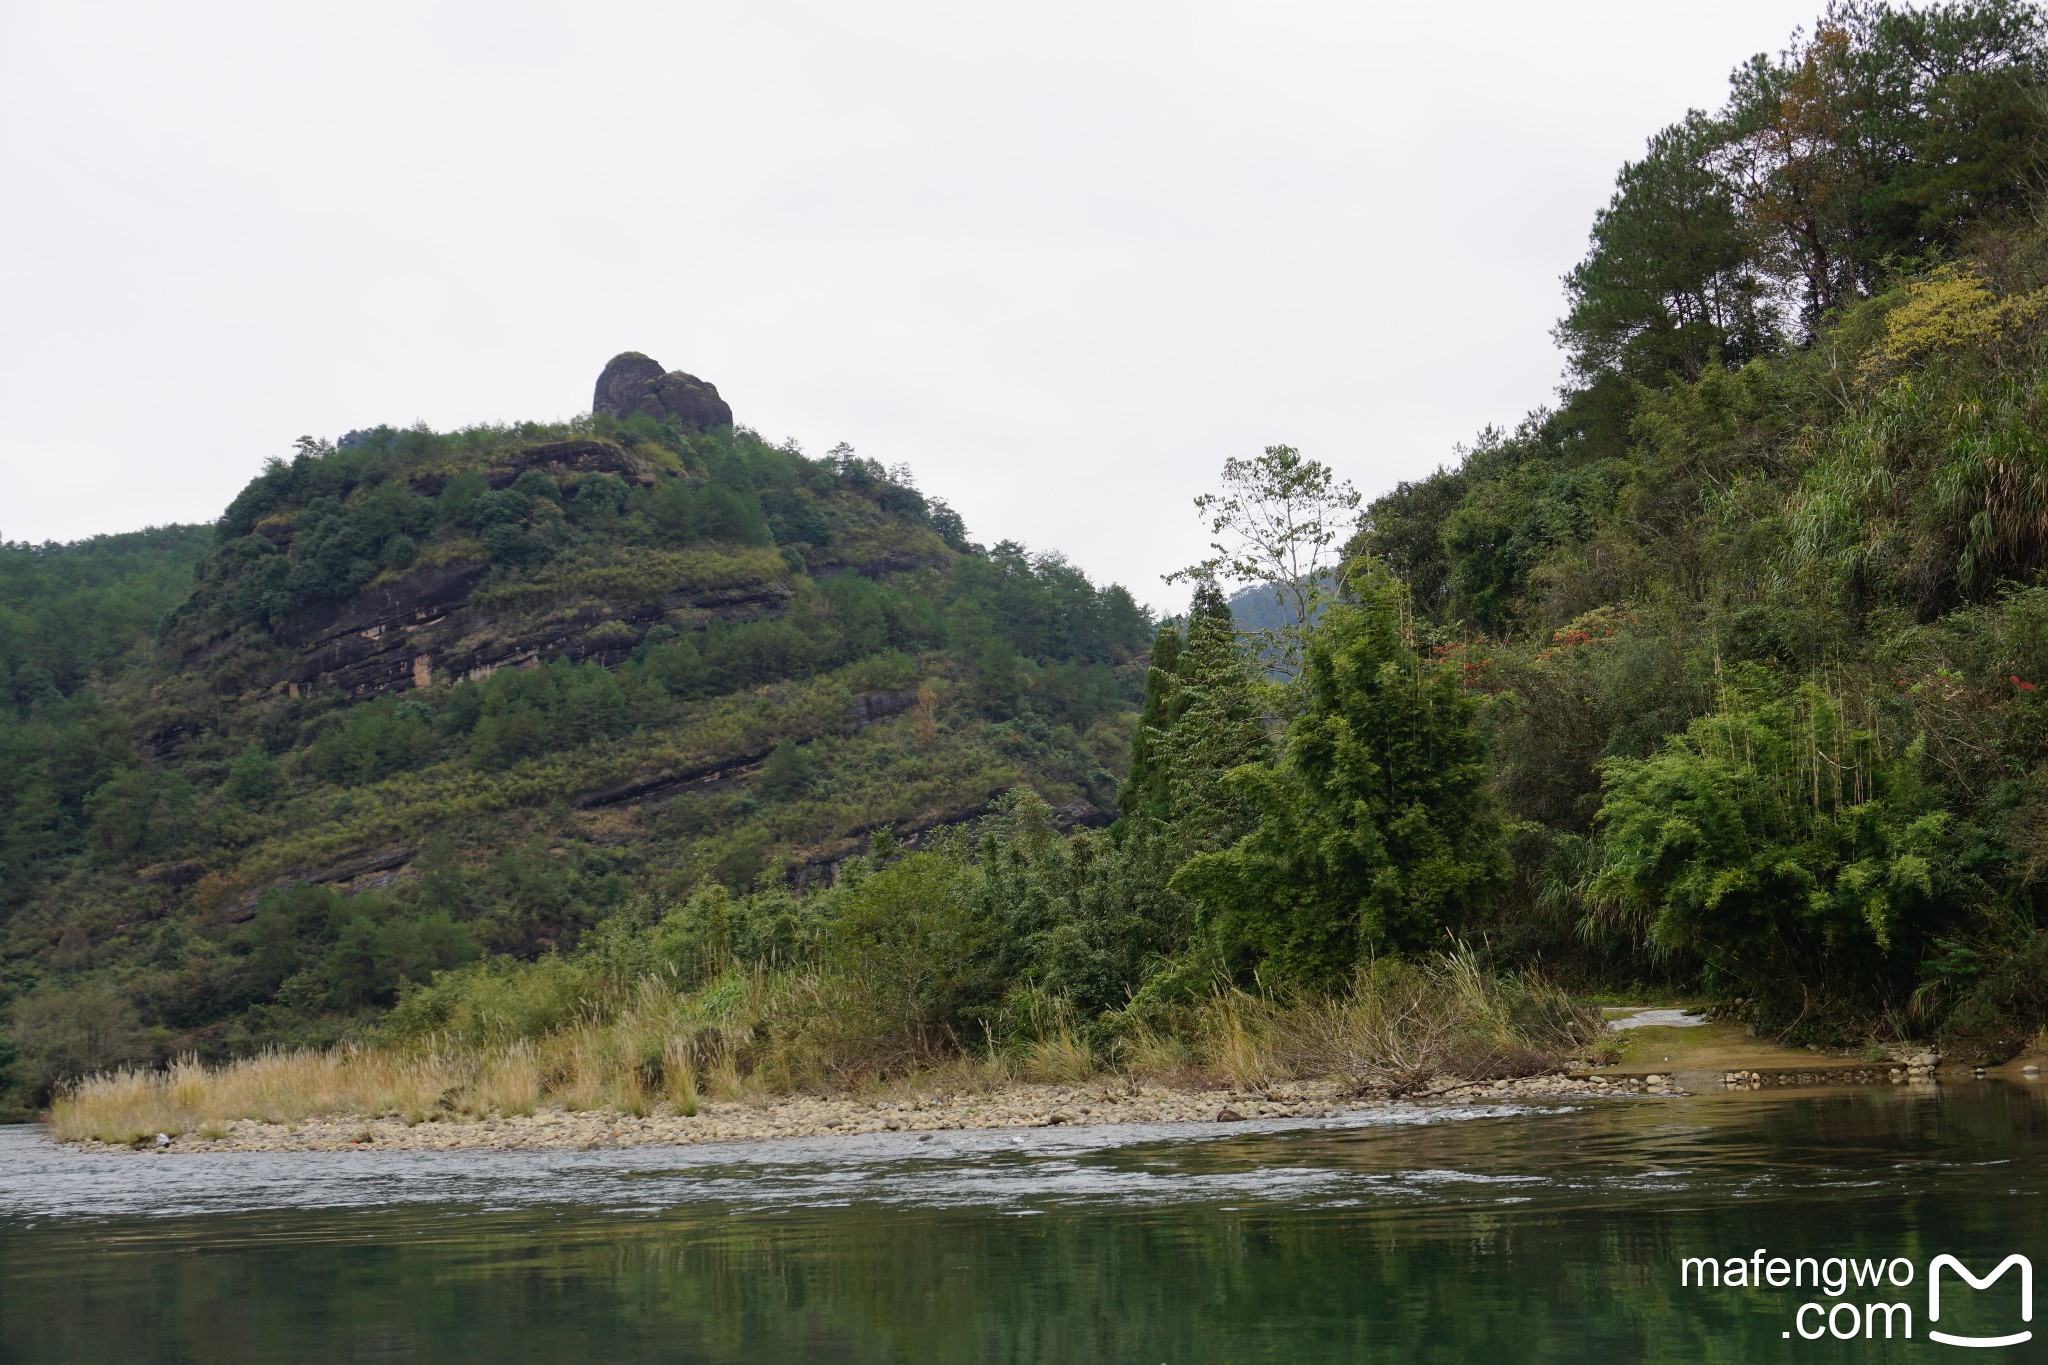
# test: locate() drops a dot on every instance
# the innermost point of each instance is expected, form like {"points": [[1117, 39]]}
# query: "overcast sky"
{"points": [[1061, 259]]}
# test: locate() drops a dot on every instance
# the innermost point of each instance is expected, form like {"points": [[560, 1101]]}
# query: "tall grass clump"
{"points": [[1397, 1026], [129, 1104]]}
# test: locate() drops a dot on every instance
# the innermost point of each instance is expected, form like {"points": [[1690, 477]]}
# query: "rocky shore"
{"points": [[1104, 1101]]}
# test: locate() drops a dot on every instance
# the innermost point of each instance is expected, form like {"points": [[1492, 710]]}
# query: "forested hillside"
{"points": [[425, 697], [1727, 674], [1759, 606]]}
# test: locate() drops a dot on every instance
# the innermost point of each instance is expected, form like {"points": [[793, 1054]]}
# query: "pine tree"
{"points": [[1374, 829], [1201, 719], [1141, 790], [1214, 725]]}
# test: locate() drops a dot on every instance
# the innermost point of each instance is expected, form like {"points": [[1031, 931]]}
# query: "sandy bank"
{"points": [[1105, 1101]]}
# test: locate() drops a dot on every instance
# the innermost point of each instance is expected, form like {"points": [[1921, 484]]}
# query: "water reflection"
{"points": [[1547, 1234]]}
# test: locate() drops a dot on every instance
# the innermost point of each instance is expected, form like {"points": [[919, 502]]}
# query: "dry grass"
{"points": [[1059, 1057], [748, 1034], [1403, 1026], [508, 1083], [275, 1087], [1232, 1037], [744, 1034], [1153, 1052]]}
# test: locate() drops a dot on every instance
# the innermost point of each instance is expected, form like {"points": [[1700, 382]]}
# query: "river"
{"points": [[1544, 1232]]}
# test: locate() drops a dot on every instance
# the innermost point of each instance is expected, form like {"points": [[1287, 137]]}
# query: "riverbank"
{"points": [[330, 1103], [754, 1049], [1105, 1101], [1701, 1054]]}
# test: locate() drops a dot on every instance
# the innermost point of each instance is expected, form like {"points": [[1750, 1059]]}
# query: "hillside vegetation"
{"points": [[1728, 674], [1758, 608], [425, 699]]}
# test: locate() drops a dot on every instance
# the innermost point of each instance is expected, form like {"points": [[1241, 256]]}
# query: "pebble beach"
{"points": [[1097, 1102]]}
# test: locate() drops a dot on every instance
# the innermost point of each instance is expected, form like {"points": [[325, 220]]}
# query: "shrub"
{"points": [[908, 936], [1787, 850], [62, 1035]]}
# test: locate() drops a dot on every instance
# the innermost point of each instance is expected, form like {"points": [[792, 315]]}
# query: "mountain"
{"points": [[422, 696], [1727, 673], [1257, 608]]}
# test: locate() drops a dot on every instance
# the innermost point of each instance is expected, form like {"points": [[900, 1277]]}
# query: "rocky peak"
{"points": [[631, 383]]}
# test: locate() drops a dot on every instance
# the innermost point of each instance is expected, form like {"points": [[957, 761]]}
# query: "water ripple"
{"points": [[1577, 1153]]}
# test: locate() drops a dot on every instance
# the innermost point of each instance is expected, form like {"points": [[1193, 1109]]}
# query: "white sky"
{"points": [[1063, 259]]}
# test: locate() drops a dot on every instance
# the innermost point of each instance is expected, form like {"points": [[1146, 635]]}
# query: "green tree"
{"points": [[998, 687], [1885, 132], [1374, 829], [1782, 848], [1213, 724], [790, 771], [1404, 531], [252, 778], [143, 812], [63, 1035], [1140, 790], [909, 934], [1669, 285], [1081, 920], [1277, 522], [1201, 717]]}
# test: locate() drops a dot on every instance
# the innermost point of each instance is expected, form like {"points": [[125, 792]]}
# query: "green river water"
{"points": [[1550, 1232]]}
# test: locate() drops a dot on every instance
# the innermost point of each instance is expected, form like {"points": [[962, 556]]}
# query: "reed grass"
{"points": [[750, 1034], [130, 1104]]}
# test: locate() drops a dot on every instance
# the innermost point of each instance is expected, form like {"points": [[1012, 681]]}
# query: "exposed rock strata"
{"points": [[369, 871], [824, 864], [660, 786], [162, 742], [364, 872], [421, 629], [181, 873]]}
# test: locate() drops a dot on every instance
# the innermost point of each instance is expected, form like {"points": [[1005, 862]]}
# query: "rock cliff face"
{"points": [[421, 630], [633, 383]]}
